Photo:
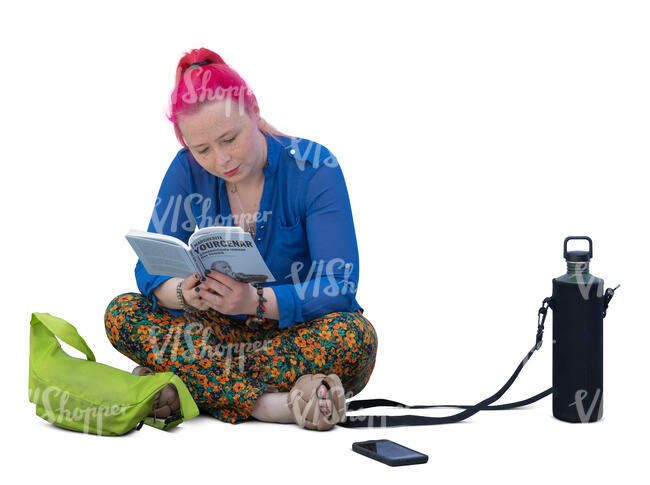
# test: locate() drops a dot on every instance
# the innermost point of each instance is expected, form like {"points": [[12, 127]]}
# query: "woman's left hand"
{"points": [[227, 295]]}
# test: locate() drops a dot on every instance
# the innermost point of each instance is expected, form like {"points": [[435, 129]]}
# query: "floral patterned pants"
{"points": [[226, 366]]}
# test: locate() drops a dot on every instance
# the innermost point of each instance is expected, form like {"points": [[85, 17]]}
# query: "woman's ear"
{"points": [[256, 113]]}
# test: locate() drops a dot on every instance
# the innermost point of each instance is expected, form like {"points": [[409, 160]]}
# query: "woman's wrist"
{"points": [[166, 293], [257, 318], [180, 298], [270, 305], [253, 300]]}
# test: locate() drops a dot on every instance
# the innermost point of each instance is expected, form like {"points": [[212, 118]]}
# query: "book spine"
{"points": [[198, 264]]}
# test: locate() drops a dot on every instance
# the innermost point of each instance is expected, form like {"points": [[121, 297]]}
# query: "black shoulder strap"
{"points": [[414, 420]]}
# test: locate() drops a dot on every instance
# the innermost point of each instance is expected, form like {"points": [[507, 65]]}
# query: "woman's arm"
{"points": [[166, 293], [168, 217]]}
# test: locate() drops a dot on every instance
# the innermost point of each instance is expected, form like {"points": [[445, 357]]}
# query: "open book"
{"points": [[227, 249]]}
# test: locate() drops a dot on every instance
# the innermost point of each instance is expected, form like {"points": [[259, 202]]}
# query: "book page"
{"points": [[215, 230], [162, 257]]}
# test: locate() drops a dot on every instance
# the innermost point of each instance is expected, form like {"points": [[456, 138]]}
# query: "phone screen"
{"points": [[389, 449]]}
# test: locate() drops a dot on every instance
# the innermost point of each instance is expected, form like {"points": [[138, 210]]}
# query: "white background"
{"points": [[475, 136]]}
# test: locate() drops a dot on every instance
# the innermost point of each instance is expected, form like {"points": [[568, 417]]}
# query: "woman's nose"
{"points": [[221, 158]]}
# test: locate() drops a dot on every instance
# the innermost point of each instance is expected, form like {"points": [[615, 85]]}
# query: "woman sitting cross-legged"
{"points": [[286, 351]]}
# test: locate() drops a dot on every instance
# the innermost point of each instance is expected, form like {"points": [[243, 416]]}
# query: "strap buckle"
{"points": [[609, 294], [541, 317]]}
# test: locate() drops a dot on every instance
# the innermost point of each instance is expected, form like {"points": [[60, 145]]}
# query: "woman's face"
{"points": [[222, 139]]}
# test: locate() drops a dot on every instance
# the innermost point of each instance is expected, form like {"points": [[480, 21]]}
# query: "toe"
{"points": [[324, 402], [322, 391], [327, 408]]}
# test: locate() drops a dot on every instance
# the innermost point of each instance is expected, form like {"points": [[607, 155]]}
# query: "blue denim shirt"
{"points": [[304, 229]]}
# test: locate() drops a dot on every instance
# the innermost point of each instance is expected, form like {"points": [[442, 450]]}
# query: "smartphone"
{"points": [[389, 452]]}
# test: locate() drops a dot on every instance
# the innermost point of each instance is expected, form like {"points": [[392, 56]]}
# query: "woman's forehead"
{"points": [[224, 112], [210, 118]]}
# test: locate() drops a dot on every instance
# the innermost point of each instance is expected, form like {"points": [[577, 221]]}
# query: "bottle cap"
{"points": [[578, 256]]}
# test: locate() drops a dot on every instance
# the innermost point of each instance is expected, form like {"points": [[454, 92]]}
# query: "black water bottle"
{"points": [[578, 306]]}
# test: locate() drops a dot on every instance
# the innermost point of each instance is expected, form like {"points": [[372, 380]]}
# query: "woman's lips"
{"points": [[232, 172]]}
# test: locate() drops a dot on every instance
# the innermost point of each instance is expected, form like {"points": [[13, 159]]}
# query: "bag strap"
{"points": [[414, 420], [372, 403], [162, 423], [64, 331]]}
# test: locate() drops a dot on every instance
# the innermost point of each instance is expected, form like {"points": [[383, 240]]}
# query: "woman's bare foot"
{"points": [[272, 406]]}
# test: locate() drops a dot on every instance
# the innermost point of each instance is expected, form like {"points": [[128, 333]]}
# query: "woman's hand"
{"points": [[190, 295], [225, 294]]}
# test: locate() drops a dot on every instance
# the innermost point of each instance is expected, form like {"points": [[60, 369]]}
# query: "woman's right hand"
{"points": [[190, 295]]}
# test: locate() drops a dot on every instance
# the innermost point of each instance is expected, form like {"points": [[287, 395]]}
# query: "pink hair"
{"points": [[206, 83]]}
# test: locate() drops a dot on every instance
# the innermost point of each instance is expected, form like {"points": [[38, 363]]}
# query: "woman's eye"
{"points": [[225, 141]]}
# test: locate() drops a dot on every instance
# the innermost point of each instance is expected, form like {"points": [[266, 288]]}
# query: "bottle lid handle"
{"points": [[587, 238]]}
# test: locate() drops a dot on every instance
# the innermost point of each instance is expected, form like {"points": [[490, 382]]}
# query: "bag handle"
{"points": [[64, 331]]}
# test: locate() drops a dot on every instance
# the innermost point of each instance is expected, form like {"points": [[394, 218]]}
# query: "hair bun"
{"points": [[201, 57]]}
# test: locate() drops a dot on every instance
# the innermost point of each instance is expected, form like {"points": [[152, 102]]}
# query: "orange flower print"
{"points": [[350, 339], [226, 388]]}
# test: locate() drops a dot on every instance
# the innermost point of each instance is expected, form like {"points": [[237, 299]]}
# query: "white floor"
{"points": [[525, 445]]}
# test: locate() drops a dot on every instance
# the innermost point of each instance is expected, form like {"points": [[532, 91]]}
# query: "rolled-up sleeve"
{"points": [[333, 251], [170, 216]]}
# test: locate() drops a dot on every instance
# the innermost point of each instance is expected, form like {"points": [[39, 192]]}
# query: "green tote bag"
{"points": [[84, 395]]}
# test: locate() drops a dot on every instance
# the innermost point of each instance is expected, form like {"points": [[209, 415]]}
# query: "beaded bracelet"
{"points": [[254, 322]]}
